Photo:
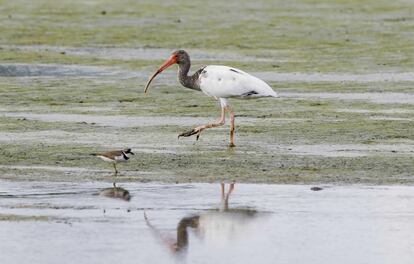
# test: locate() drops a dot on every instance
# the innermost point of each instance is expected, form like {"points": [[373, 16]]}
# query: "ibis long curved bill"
{"points": [[165, 65]]}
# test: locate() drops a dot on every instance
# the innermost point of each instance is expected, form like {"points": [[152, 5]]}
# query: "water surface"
{"points": [[47, 222]]}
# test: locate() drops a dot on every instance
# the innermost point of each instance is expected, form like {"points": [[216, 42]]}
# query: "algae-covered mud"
{"points": [[72, 75], [49, 222]]}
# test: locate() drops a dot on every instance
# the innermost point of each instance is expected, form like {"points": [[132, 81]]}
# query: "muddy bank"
{"points": [[103, 140], [134, 121], [288, 141]]}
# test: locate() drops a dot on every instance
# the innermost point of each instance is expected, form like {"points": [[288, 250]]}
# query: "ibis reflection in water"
{"points": [[219, 226]]}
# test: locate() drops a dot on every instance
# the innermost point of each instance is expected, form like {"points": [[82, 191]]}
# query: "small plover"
{"points": [[114, 156]]}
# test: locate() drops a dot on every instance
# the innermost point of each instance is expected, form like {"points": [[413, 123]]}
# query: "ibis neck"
{"points": [[186, 80]]}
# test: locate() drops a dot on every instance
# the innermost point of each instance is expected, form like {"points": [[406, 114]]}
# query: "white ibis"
{"points": [[220, 82]]}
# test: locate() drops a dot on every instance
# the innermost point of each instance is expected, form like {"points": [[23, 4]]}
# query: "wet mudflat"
{"points": [[345, 112], [43, 222], [53, 117]]}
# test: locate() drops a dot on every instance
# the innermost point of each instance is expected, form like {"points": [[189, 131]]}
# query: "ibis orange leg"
{"points": [[197, 131]]}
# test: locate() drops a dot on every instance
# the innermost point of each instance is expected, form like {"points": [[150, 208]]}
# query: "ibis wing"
{"points": [[225, 82]]}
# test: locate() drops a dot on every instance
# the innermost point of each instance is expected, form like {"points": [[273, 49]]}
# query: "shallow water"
{"points": [[61, 70], [48, 70], [337, 77], [137, 53], [379, 98], [263, 224]]}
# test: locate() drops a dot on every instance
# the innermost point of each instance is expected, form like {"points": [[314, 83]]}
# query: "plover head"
{"points": [[128, 151]]}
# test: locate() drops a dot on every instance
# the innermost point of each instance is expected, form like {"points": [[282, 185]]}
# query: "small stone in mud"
{"points": [[316, 189], [62, 52], [177, 20], [103, 12]]}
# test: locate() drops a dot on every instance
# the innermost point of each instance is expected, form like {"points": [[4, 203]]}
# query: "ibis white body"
{"points": [[228, 82], [220, 228]]}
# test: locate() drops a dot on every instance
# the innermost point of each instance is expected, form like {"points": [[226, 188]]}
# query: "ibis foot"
{"points": [[232, 145], [190, 133]]}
